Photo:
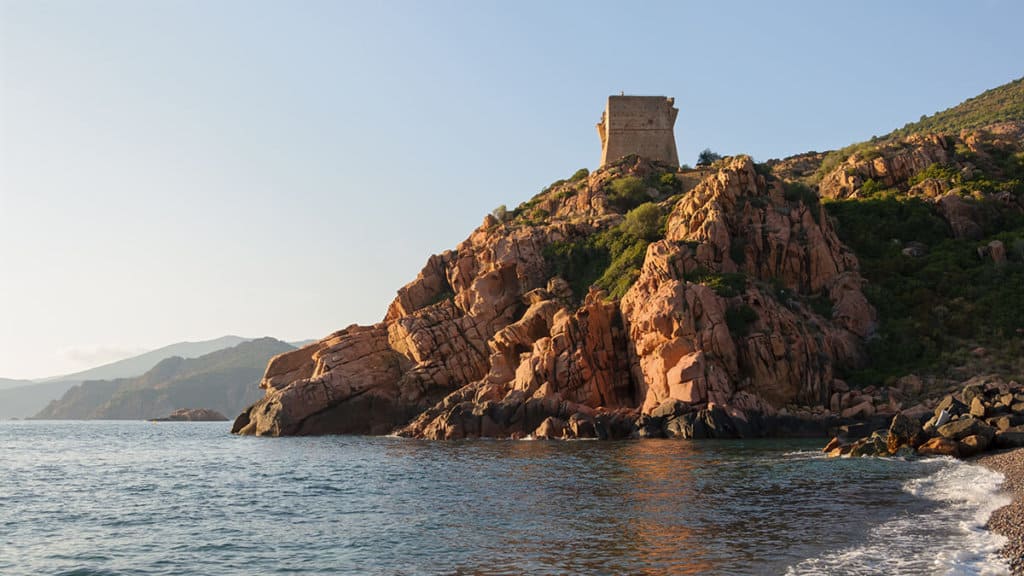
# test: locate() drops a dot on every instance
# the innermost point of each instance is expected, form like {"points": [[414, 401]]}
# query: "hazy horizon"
{"points": [[175, 171]]}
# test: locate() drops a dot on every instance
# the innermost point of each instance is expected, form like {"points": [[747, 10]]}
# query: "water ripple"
{"points": [[137, 499]]}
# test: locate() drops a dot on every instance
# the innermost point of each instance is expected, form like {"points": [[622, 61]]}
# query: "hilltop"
{"points": [[733, 299], [1002, 104]]}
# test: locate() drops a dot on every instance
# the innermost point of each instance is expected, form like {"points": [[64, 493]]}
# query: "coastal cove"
{"points": [[145, 498]]}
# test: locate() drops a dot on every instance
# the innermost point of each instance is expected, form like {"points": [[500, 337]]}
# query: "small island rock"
{"points": [[192, 415]]}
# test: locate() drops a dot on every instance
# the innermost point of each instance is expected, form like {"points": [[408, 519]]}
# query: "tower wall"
{"points": [[641, 125]]}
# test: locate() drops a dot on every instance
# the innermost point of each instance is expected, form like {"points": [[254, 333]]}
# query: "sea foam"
{"points": [[951, 540]]}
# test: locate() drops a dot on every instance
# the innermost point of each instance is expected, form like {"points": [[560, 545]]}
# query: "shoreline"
{"points": [[1009, 520]]}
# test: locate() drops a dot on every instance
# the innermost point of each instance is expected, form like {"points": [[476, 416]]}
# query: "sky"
{"points": [[181, 170]]}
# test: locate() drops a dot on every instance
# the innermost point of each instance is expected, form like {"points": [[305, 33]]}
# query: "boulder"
{"points": [[864, 409], [550, 429], [193, 415], [977, 407], [940, 446], [973, 445], [972, 391], [904, 431], [910, 384], [581, 426], [951, 405], [874, 445], [963, 427]]}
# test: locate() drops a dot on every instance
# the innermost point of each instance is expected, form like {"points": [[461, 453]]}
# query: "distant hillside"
{"points": [[225, 380], [6, 383], [23, 398], [136, 365], [24, 401], [1002, 104]]}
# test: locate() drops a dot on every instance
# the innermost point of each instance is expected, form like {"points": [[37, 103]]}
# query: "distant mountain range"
{"points": [[138, 364], [25, 398], [226, 380], [6, 383]]}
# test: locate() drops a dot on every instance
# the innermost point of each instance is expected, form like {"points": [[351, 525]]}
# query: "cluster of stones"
{"points": [[980, 417]]}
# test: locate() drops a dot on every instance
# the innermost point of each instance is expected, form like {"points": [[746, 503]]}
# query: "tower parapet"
{"points": [[641, 125]]}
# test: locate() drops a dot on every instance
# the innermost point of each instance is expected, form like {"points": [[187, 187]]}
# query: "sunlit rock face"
{"points": [[744, 303]]}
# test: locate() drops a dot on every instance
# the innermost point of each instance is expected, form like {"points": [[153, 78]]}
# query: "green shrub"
{"points": [[707, 157], [500, 213], [799, 192], [934, 308], [610, 260], [668, 181], [643, 222], [578, 175], [627, 193], [870, 188], [937, 171], [725, 285]]}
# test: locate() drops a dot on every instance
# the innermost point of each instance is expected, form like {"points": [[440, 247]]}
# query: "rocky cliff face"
{"points": [[745, 303]]}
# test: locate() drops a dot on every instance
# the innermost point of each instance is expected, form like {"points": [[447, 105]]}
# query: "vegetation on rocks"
{"points": [[610, 259], [936, 307]]}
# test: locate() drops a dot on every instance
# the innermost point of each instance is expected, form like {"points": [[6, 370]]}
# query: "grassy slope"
{"points": [[1000, 104]]}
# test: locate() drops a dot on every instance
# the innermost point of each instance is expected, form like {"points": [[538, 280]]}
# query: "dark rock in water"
{"points": [[663, 422], [874, 445], [856, 430], [581, 426], [711, 422], [550, 429], [194, 415], [904, 431], [614, 426]]}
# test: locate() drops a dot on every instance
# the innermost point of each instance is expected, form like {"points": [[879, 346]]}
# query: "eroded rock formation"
{"points": [[747, 304]]}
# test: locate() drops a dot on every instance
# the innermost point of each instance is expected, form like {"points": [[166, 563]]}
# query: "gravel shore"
{"points": [[1009, 520]]}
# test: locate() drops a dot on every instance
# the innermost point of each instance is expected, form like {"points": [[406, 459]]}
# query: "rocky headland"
{"points": [[792, 297]]}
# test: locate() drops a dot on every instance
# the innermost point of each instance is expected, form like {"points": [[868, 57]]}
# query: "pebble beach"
{"points": [[1009, 520]]}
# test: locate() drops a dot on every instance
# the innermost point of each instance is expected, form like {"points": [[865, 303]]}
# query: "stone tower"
{"points": [[640, 125]]}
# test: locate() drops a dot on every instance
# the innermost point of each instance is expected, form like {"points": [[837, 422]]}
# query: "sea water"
{"points": [[113, 498]]}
